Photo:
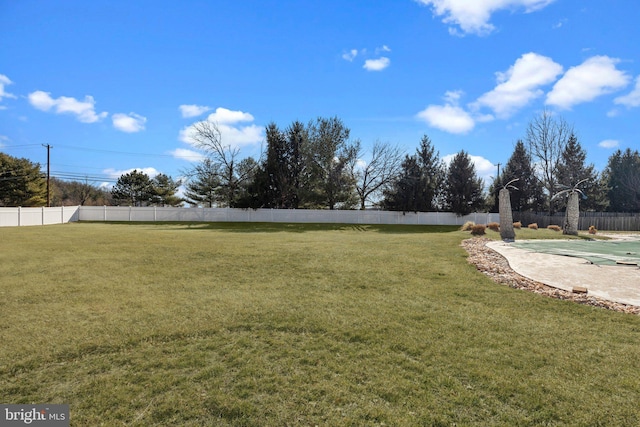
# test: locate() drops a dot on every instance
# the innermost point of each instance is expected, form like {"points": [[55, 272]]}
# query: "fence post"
{"points": [[19, 216], [42, 217]]}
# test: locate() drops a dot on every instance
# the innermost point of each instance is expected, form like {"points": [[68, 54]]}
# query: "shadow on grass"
{"points": [[273, 227]]}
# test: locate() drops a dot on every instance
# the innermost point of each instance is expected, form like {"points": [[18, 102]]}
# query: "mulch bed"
{"points": [[496, 266]]}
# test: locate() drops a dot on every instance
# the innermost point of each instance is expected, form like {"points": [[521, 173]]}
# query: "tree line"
{"points": [[317, 165]]}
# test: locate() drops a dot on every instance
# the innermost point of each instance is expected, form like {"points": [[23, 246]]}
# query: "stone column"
{"points": [[506, 218], [573, 214]]}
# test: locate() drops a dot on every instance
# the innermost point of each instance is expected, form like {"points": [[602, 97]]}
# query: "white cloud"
{"points": [[609, 143], [449, 117], [193, 110], [188, 155], [472, 16], [596, 76], [3, 138], [129, 123], [41, 100], [4, 81], [351, 55], [383, 48], [520, 84], [83, 110], [115, 174], [224, 116], [484, 168], [231, 132], [632, 99], [376, 64]]}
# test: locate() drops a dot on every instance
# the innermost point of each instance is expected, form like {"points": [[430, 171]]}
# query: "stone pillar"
{"points": [[573, 214], [506, 218]]}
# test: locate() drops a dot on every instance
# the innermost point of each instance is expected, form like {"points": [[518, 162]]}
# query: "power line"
{"points": [[98, 150]]}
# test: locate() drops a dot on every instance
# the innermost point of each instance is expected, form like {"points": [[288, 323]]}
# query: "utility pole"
{"points": [[48, 147], [499, 171]]}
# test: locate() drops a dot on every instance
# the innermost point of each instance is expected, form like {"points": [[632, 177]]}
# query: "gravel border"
{"points": [[497, 268]]}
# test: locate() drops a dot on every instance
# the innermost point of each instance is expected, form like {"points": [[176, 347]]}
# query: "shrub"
{"points": [[533, 226], [467, 226], [592, 229], [517, 225], [478, 230], [554, 227], [493, 226]]}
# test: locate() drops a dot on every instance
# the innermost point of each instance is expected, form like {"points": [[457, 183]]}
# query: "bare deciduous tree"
{"points": [[207, 137], [547, 136], [383, 166]]}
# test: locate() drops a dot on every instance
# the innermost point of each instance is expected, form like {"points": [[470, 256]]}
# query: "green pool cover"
{"points": [[596, 251]]}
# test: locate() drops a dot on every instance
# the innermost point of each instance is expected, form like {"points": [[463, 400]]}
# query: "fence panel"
{"points": [[604, 221], [12, 216], [9, 217]]}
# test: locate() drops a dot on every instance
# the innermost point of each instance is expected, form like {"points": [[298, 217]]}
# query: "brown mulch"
{"points": [[496, 266]]}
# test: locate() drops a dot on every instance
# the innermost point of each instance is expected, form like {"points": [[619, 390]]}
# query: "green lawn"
{"points": [[276, 325]]}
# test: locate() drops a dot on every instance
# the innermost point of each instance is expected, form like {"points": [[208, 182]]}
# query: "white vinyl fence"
{"points": [[13, 217], [43, 216]]}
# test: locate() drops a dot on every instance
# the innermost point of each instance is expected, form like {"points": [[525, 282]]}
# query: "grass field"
{"points": [[276, 325]]}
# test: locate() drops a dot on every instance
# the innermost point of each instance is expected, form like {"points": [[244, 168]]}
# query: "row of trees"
{"points": [[551, 160], [317, 165]]}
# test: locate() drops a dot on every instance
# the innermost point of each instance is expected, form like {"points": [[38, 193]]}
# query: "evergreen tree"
{"points": [[529, 195], [278, 181], [432, 175], [418, 186], [406, 192], [164, 190], [329, 157], [572, 169], [297, 151], [133, 188], [247, 195], [202, 187], [622, 176], [21, 182], [463, 189], [273, 173]]}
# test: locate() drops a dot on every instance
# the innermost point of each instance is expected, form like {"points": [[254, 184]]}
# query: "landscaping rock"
{"points": [[497, 268]]}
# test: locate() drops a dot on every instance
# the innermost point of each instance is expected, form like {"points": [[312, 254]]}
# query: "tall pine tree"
{"points": [[406, 192], [418, 186], [572, 169], [21, 182], [622, 176], [203, 185], [463, 189], [529, 195]]}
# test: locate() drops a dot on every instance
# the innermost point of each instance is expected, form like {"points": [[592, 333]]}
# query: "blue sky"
{"points": [[114, 85]]}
